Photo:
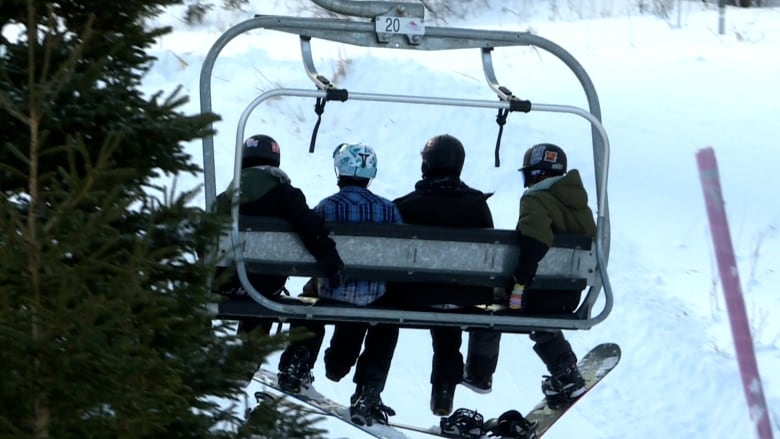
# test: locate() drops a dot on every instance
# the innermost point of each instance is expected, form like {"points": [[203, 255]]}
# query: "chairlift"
{"points": [[408, 253]]}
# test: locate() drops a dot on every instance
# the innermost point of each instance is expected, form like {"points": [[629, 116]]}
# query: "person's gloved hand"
{"points": [[516, 297], [500, 295], [337, 276]]}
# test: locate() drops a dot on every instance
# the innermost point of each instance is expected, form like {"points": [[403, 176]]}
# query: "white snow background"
{"points": [[668, 87]]}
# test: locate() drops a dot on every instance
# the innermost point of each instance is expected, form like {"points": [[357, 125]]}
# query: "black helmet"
{"points": [[543, 160], [442, 156], [260, 150]]}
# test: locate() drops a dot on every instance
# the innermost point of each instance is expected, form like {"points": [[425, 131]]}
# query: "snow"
{"points": [[667, 89]]}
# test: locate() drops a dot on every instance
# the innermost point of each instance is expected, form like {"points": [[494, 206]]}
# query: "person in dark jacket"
{"points": [[266, 192], [442, 199], [356, 166], [555, 201]]}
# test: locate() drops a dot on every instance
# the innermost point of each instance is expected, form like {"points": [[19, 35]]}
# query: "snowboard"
{"points": [[324, 406], [594, 366]]}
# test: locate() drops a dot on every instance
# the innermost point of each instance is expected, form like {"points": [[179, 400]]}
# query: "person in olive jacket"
{"points": [[266, 192], [555, 201]]}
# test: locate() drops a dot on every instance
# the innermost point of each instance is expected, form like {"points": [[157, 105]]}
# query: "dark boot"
{"points": [[477, 383], [442, 394], [366, 407], [565, 385], [565, 382], [294, 372]]}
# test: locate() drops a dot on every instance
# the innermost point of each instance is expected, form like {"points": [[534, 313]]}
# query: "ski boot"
{"points": [[294, 374], [478, 384], [563, 387], [442, 395], [366, 407]]}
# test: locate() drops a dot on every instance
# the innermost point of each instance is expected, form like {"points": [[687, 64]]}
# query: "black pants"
{"points": [[311, 343], [373, 363], [482, 356], [554, 350], [250, 324], [270, 287], [551, 347], [344, 352], [447, 364]]}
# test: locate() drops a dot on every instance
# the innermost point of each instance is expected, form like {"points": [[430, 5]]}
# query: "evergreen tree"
{"points": [[103, 320]]}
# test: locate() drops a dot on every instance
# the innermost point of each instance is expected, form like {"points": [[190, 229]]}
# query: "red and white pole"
{"points": [[735, 304]]}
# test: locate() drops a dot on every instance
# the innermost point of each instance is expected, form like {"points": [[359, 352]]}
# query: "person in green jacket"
{"points": [[266, 191], [555, 201]]}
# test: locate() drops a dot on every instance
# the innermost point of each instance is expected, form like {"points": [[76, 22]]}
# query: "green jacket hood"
{"points": [[256, 181], [259, 180], [567, 189]]}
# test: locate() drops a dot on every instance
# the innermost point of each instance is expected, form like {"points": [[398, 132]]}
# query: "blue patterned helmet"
{"points": [[354, 160]]}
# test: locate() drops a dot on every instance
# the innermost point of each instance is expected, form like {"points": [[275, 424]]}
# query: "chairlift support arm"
{"points": [[367, 34], [436, 38]]}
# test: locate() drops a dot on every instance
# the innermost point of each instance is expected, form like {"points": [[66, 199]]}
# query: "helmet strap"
{"points": [[345, 180], [533, 176]]}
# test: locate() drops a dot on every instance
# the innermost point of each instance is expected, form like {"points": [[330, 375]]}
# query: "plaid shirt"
{"points": [[354, 204]]}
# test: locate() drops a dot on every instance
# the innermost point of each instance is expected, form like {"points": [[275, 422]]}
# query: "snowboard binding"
{"points": [[464, 423], [511, 424]]}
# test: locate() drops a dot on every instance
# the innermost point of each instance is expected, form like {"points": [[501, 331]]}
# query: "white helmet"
{"points": [[354, 160]]}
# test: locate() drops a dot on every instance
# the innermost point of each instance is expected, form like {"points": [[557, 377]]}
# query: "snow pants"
{"points": [[447, 363], [373, 364], [482, 356], [554, 350]]}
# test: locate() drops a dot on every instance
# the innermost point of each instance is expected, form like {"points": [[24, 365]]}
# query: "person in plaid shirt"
{"points": [[354, 203], [355, 166]]}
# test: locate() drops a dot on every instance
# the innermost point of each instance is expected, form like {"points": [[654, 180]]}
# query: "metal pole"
{"points": [[721, 17], [735, 304]]}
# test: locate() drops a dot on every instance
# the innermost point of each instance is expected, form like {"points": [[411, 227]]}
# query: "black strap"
{"points": [[319, 108], [501, 121], [331, 94]]}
